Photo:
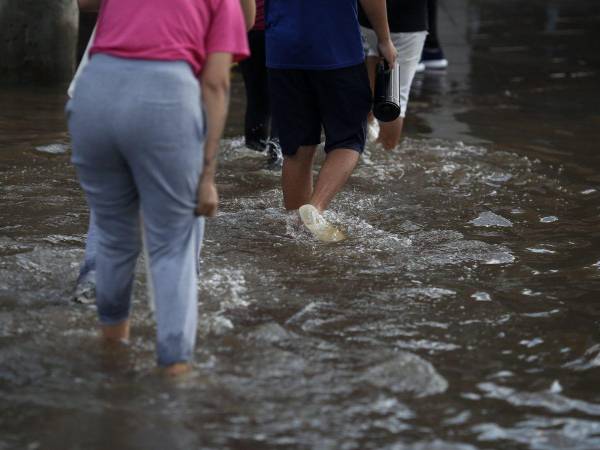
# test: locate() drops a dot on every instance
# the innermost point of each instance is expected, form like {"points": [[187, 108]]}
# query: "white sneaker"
{"points": [[318, 226], [436, 64], [433, 58], [420, 67], [372, 131]]}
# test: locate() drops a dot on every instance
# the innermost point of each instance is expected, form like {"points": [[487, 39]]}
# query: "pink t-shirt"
{"points": [[171, 30]]}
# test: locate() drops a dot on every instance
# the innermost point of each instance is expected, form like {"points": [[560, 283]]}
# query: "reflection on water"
{"points": [[460, 314]]}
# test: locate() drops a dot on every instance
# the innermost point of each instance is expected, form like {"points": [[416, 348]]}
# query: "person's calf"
{"points": [[296, 177], [390, 133], [336, 170]]}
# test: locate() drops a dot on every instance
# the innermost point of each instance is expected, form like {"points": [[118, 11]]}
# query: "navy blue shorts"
{"points": [[303, 101]]}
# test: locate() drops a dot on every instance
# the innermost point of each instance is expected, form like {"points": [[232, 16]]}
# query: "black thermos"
{"points": [[386, 102]]}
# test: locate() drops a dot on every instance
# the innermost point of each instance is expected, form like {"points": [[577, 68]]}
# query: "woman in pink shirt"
{"points": [[145, 119]]}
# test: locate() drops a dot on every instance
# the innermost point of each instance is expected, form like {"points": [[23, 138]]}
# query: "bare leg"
{"points": [[115, 333], [336, 170], [296, 177], [371, 63], [390, 133]]}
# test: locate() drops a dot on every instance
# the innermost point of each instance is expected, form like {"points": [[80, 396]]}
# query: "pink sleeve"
{"points": [[227, 33]]}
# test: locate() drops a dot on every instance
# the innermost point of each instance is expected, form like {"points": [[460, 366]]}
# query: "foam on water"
{"points": [[229, 291], [549, 400], [543, 433], [481, 296], [53, 149]]}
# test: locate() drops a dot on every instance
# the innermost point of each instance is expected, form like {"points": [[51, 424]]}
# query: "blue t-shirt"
{"points": [[312, 34]]}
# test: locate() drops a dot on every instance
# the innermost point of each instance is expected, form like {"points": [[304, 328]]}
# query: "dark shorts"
{"points": [[303, 101]]}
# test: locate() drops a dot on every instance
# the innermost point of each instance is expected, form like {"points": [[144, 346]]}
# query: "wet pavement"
{"points": [[462, 312]]}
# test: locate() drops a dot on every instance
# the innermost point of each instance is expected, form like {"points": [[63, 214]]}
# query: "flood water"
{"points": [[462, 313]]}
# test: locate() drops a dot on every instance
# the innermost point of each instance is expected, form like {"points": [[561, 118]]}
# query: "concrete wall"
{"points": [[38, 40]]}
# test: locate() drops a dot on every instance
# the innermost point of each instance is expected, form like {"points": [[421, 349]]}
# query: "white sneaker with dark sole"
{"points": [[433, 58], [318, 226], [436, 64]]}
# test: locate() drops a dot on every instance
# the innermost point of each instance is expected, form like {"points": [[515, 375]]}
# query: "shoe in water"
{"points": [[318, 226], [85, 290], [372, 131], [274, 154], [433, 58]]}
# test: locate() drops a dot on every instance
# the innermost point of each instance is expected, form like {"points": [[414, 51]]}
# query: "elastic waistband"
{"points": [[107, 60]]}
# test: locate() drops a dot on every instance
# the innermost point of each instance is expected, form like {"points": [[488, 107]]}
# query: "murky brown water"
{"points": [[461, 314]]}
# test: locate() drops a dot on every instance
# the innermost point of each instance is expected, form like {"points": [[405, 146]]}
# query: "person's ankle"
{"points": [[388, 144], [177, 369], [318, 206], [117, 333]]}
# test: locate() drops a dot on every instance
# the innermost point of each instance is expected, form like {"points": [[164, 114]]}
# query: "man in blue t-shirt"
{"points": [[318, 79]]}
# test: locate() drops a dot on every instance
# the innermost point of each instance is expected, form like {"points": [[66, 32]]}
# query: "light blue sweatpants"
{"points": [[137, 132]]}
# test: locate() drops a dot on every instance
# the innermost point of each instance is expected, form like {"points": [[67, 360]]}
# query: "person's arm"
{"points": [[214, 80], [376, 12], [89, 5], [249, 8]]}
